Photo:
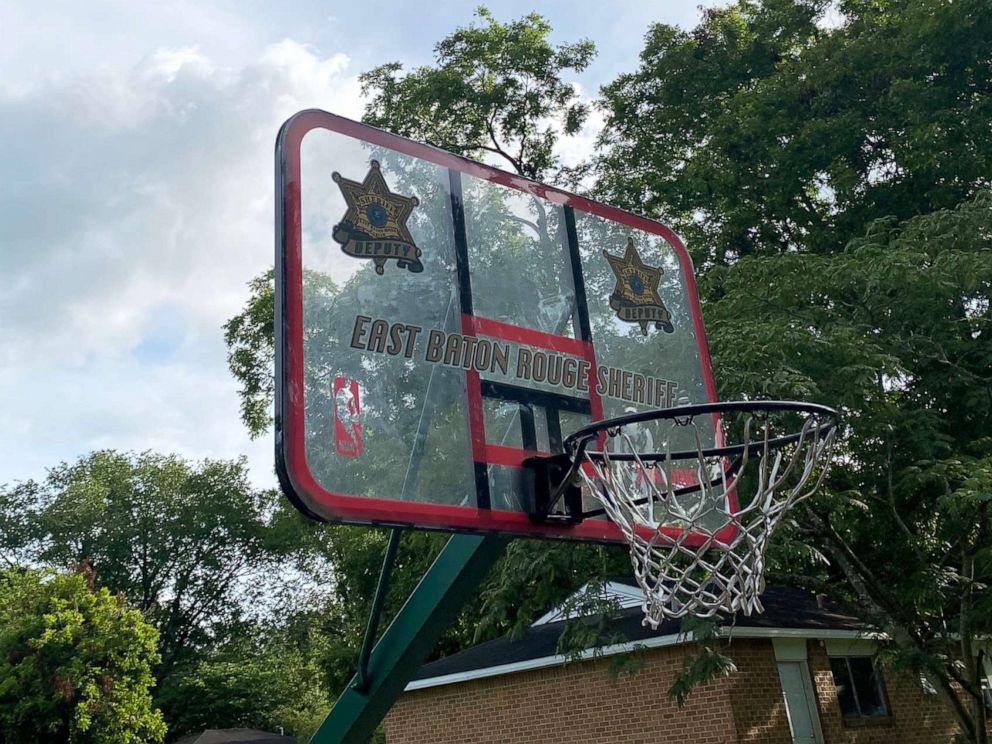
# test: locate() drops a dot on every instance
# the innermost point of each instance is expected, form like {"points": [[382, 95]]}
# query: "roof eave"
{"points": [[662, 641]]}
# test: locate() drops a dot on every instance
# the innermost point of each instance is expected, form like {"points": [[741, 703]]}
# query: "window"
{"points": [[859, 686]]}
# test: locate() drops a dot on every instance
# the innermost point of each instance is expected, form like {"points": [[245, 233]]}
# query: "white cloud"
{"points": [[139, 192], [581, 146], [137, 198], [57, 39]]}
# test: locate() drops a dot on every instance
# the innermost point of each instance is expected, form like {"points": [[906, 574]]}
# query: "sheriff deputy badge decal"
{"points": [[375, 224], [635, 298]]}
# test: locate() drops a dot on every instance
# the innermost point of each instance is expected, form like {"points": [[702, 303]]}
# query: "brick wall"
{"points": [[755, 693], [576, 703], [581, 702]]}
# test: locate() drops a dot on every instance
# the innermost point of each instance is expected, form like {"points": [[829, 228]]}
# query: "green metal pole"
{"points": [[412, 635]]}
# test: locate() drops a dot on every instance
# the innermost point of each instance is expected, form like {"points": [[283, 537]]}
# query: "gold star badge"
{"points": [[375, 224], [635, 297]]}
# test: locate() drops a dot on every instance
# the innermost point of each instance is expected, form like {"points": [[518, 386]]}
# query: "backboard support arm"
{"points": [[375, 615], [449, 582]]}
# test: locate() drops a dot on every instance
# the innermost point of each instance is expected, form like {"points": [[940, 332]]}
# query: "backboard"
{"points": [[439, 321]]}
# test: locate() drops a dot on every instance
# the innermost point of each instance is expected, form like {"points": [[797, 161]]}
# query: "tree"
{"points": [[833, 180], [185, 543], [763, 130], [251, 353], [75, 663], [494, 89], [208, 560], [270, 678], [895, 331]]}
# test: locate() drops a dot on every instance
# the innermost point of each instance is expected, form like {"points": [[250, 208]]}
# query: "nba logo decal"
{"points": [[347, 424]]}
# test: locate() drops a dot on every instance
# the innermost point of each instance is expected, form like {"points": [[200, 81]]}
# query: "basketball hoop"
{"points": [[699, 520]]}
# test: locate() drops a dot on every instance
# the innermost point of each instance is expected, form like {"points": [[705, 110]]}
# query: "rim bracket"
{"points": [[550, 483]]}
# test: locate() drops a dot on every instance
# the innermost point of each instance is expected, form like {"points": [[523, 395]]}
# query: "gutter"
{"points": [[664, 641]]}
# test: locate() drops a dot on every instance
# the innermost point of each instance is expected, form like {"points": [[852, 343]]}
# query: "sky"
{"points": [[136, 199]]}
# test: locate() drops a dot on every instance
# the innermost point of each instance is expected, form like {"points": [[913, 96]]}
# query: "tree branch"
{"points": [[517, 166], [953, 700]]}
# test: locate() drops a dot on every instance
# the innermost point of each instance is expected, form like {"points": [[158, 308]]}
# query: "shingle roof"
{"points": [[785, 608]]}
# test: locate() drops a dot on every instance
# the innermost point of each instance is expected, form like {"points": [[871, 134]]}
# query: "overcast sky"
{"points": [[136, 200]]}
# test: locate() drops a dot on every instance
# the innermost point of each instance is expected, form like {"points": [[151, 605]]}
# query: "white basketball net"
{"points": [[692, 552]]}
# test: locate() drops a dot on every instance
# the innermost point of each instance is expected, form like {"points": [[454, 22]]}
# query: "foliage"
{"points": [[896, 331], [210, 561], [269, 679], [354, 555], [535, 576], [704, 664], [75, 663], [833, 181], [764, 130], [184, 542], [495, 88], [251, 356], [14, 526]]}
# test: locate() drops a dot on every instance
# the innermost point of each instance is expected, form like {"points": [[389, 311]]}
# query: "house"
{"points": [[236, 736], [805, 673]]}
